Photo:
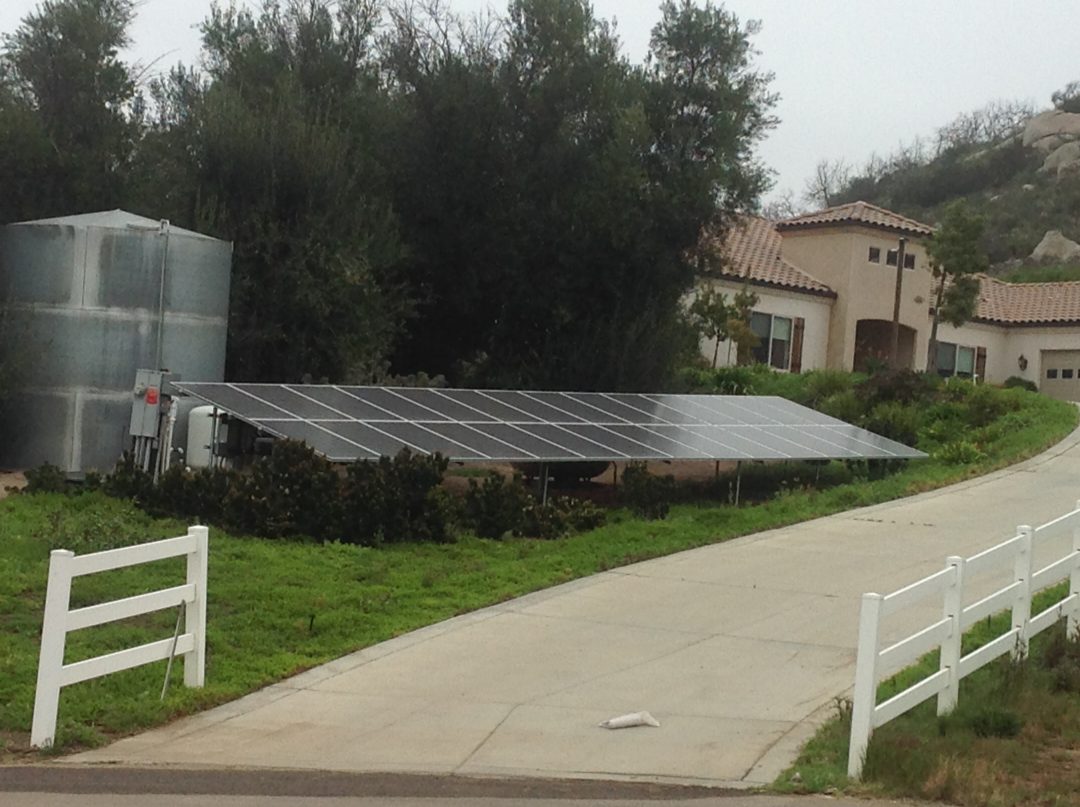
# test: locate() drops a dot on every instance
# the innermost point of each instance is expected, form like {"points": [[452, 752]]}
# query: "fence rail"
{"points": [[874, 663], [60, 620]]}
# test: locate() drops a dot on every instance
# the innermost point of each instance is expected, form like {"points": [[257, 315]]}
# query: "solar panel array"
{"points": [[346, 424]]}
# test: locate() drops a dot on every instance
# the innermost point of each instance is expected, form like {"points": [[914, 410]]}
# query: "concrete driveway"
{"points": [[738, 649]]}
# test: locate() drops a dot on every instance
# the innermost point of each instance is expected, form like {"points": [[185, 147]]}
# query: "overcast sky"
{"points": [[854, 76]]}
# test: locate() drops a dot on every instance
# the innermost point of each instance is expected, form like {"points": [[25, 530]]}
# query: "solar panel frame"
{"points": [[351, 423]]}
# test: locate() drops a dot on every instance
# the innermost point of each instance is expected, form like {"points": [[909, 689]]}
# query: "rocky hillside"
{"points": [[1023, 175]]}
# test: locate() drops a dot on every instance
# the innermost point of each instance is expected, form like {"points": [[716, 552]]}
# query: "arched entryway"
{"points": [[873, 340]]}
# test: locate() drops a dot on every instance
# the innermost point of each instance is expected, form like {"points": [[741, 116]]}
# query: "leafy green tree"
{"points": [[710, 314], [70, 111], [273, 149], [956, 256], [738, 327], [553, 248]]}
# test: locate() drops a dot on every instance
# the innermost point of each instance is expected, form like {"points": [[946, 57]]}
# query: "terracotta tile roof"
{"points": [[857, 213], [752, 252], [1027, 303]]}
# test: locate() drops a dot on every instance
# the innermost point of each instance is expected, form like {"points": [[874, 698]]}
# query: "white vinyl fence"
{"points": [[59, 621], [874, 664]]}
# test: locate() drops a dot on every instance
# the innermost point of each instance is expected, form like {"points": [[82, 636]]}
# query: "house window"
{"points": [[774, 340], [955, 360], [1067, 373], [875, 255], [892, 255], [1051, 373]]}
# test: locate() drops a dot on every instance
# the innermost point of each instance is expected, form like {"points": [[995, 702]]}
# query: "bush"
{"points": [[396, 500], [128, 481], [581, 514], [46, 478], [844, 405], [496, 506], [560, 516], [960, 452], [647, 495], [1016, 382], [897, 386], [823, 385], [986, 404], [542, 521], [895, 421], [292, 492]]}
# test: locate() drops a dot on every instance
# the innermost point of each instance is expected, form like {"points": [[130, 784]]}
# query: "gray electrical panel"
{"points": [[151, 387]]}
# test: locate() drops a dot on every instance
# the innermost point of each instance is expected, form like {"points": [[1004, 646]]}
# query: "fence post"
{"points": [[951, 649], [195, 611], [864, 699], [1021, 612], [1074, 585], [51, 658]]}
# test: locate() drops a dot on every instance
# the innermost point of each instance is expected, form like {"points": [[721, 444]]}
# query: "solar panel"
{"points": [[347, 424]]}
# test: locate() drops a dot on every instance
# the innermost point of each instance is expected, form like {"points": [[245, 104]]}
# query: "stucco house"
{"points": [[826, 288]]}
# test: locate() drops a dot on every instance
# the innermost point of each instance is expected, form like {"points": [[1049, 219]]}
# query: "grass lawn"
{"points": [[279, 607], [1014, 738]]}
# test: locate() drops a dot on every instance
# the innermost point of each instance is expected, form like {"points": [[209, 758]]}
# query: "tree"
{"points": [[710, 315], [69, 109], [274, 148], [956, 256], [738, 327], [828, 181], [552, 222], [1067, 99]]}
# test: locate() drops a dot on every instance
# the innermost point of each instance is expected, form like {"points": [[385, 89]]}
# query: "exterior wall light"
{"points": [[1022, 362]]}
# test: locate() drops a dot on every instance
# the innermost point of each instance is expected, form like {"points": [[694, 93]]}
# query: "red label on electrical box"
{"points": [[152, 396]]}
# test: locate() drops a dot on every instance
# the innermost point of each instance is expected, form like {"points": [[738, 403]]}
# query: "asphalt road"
{"points": [[59, 785]]}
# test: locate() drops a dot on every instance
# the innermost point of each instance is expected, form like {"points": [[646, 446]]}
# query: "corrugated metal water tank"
{"points": [[92, 299]]}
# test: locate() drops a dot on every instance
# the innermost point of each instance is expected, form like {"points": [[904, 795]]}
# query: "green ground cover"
{"points": [[279, 607], [1042, 274]]}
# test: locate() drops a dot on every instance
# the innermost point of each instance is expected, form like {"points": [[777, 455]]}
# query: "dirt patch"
{"points": [[11, 479]]}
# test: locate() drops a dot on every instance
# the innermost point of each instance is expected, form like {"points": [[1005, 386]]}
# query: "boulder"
{"points": [[1063, 159], [1056, 247], [1052, 129]]}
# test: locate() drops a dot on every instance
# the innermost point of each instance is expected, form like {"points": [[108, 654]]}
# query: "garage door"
{"points": [[1061, 374]]}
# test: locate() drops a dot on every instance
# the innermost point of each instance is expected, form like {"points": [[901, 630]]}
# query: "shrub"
{"points": [[128, 481], [1016, 382], [986, 404], [581, 514], [542, 521], [897, 386], [292, 492], [647, 495], [895, 421], [822, 385], [844, 405], [199, 493], [495, 507], [46, 478], [959, 452], [396, 500]]}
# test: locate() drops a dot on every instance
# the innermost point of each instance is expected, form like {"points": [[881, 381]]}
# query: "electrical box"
{"points": [[152, 387]]}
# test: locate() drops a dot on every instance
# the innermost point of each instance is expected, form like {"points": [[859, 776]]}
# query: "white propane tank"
{"points": [[200, 434]]}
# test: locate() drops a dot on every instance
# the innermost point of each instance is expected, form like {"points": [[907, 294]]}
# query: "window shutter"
{"points": [[796, 344], [980, 363]]}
